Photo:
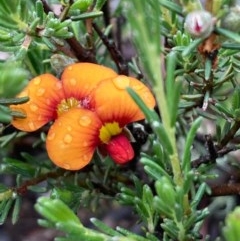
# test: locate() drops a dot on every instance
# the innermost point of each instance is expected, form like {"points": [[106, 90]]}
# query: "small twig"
{"points": [[82, 54], [225, 190], [211, 158], [115, 53], [211, 148], [21, 190], [229, 136]]}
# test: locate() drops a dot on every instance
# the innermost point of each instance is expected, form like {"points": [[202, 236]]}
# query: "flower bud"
{"points": [[199, 24], [119, 149], [231, 21]]}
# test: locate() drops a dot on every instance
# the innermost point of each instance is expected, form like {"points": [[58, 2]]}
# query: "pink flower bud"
{"points": [[199, 24]]}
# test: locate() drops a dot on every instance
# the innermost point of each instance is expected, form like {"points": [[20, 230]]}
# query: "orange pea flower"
{"points": [[90, 108]]}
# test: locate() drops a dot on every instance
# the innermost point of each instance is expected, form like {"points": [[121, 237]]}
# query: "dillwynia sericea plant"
{"points": [[118, 103]]}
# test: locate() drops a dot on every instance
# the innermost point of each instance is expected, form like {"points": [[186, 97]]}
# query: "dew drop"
{"points": [[73, 82], [146, 97], [85, 121], [69, 128], [40, 118], [51, 136], [69, 68], [48, 102], [137, 86], [24, 93], [85, 144], [37, 81], [40, 92], [58, 85], [33, 107], [85, 157], [66, 166], [67, 139], [31, 125], [121, 82]]}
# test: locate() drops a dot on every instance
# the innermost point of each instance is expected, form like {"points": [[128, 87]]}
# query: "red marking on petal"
{"points": [[120, 149], [81, 78]]}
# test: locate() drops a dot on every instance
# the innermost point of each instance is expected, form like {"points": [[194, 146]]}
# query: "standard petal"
{"points": [[113, 103], [81, 78], [72, 138], [45, 92]]}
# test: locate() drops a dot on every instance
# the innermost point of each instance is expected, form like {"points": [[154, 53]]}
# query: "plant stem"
{"points": [[229, 136], [162, 104]]}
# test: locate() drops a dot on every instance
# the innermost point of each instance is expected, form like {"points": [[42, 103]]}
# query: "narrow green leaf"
{"points": [[228, 34], [55, 210], [16, 210], [154, 169], [191, 47], [5, 114], [189, 141], [207, 69], [198, 197], [175, 102], [172, 6], [19, 167], [87, 15], [104, 228], [5, 211], [99, 4], [236, 99], [223, 109], [14, 101], [132, 236]]}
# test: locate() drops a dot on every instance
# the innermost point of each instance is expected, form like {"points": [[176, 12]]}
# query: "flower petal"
{"points": [[44, 92], [72, 138], [81, 78], [113, 103], [119, 149]]}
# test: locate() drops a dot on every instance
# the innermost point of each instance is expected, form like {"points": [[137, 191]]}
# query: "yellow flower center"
{"points": [[66, 104], [108, 130]]}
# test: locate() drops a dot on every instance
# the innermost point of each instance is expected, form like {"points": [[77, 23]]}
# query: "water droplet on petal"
{"points": [[66, 166], [48, 101], [121, 82], [69, 128], [40, 92], [67, 139], [24, 93], [85, 157], [40, 118], [73, 82], [137, 86], [58, 85], [146, 97], [33, 107], [85, 143], [51, 136], [31, 125], [85, 121], [37, 80], [69, 68]]}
